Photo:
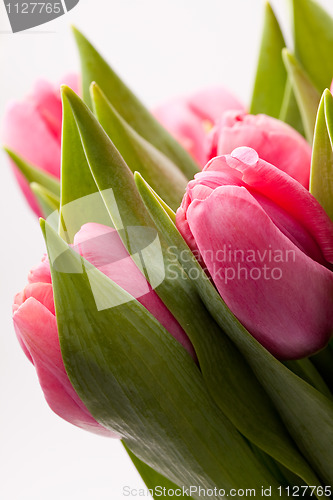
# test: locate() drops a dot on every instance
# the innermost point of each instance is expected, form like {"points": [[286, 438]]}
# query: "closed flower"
{"points": [[275, 142], [36, 326], [32, 129], [268, 246]]}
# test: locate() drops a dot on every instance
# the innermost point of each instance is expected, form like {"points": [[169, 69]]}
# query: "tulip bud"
{"points": [[190, 119], [32, 129], [36, 326], [268, 246], [275, 142]]}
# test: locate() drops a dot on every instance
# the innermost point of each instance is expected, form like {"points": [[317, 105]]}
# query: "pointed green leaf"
{"points": [[164, 176], [81, 201], [153, 480], [289, 111], [227, 377], [48, 202], [34, 174], [137, 380], [313, 34], [271, 74], [108, 167], [307, 414], [307, 96], [321, 179], [96, 69]]}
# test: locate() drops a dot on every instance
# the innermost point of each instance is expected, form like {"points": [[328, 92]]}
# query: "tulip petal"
{"points": [[212, 102], [260, 177], [40, 273], [43, 293], [275, 142], [275, 310], [48, 104], [189, 119], [176, 116], [36, 328], [26, 133]]}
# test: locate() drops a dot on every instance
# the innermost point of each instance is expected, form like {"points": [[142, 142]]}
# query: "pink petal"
{"points": [[32, 129], [287, 193], [36, 327], [41, 273], [274, 141], [212, 102], [289, 316], [176, 116], [26, 133], [190, 118], [43, 293], [48, 104]]}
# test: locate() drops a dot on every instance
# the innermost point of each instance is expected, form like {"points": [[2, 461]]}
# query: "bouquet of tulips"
{"points": [[185, 304]]}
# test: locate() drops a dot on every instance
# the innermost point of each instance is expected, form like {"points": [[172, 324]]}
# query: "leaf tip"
{"points": [[94, 90], [287, 55], [69, 94], [268, 7], [65, 90], [327, 94], [42, 223], [76, 32], [139, 180]]}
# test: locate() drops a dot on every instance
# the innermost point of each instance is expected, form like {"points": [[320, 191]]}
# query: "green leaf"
{"points": [[271, 77], [240, 393], [81, 201], [307, 96], [140, 155], [321, 179], [323, 361], [308, 372], [137, 380], [227, 377], [313, 34], [34, 174], [307, 414], [112, 176], [48, 202], [153, 480], [96, 69], [289, 111]]}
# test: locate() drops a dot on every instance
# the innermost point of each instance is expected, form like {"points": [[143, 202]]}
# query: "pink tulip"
{"points": [[275, 142], [268, 246], [189, 119], [36, 326], [32, 129]]}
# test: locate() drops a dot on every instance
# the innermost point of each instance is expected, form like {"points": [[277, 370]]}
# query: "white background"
{"points": [[160, 49]]}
